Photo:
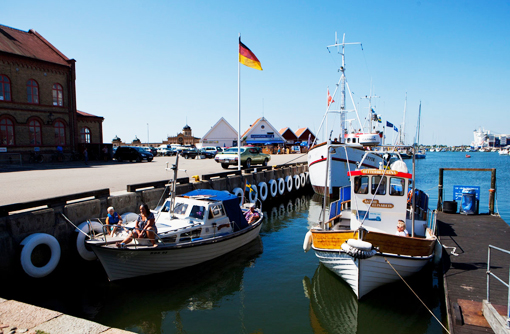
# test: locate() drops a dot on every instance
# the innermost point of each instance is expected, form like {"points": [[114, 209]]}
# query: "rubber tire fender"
{"points": [[302, 177], [32, 241], [273, 188], [288, 181], [253, 194], [281, 186], [297, 182], [263, 191]]}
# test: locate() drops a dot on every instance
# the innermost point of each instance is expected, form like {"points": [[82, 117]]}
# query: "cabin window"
{"points": [[379, 185], [197, 211], [397, 186], [180, 208], [361, 184], [217, 210]]}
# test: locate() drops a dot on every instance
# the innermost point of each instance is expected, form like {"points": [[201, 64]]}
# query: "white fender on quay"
{"points": [[281, 186], [302, 179], [238, 192], [297, 182], [81, 246], [288, 180], [253, 194], [273, 187], [31, 242], [263, 191]]}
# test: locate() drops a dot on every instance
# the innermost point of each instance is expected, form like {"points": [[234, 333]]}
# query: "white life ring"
{"points": [[273, 187], [307, 243], [263, 191], [253, 194], [297, 182], [288, 181], [238, 192], [281, 186], [302, 179], [32, 241], [81, 246]]}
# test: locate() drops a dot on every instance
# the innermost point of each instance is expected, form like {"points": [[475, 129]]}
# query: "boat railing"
{"points": [[489, 274]]}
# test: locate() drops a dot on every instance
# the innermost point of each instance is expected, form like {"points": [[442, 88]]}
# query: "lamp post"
{"points": [[147, 134]]}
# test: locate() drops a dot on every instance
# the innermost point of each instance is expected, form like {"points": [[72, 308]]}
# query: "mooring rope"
{"points": [[403, 280]]}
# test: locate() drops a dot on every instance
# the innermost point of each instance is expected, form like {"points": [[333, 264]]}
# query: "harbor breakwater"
{"points": [[48, 220]]}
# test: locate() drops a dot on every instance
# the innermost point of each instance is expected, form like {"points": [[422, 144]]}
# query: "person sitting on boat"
{"points": [[113, 218], [145, 227], [251, 215], [401, 229]]}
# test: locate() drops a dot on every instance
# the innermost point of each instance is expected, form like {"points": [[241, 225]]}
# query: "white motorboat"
{"points": [[192, 228], [504, 151], [353, 142], [359, 241]]}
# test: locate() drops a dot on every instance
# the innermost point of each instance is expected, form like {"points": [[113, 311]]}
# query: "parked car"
{"points": [[131, 153], [209, 151], [249, 156], [151, 150], [189, 152]]}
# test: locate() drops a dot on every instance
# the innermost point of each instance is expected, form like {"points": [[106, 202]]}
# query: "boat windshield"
{"points": [[197, 211], [397, 185], [180, 208], [361, 184]]}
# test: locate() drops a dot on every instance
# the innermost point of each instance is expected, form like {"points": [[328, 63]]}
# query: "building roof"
{"points": [[30, 44], [84, 114], [251, 126], [288, 134]]}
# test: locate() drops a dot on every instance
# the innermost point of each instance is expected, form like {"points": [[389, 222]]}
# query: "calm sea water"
{"points": [[268, 286]]}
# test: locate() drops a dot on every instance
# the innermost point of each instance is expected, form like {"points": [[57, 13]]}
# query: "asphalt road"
{"points": [[46, 180]]}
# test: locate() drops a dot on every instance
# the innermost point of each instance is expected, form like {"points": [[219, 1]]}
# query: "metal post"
{"points": [[492, 191], [440, 191], [488, 273]]}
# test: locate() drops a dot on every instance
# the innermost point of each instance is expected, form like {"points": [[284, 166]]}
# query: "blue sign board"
{"points": [[457, 192]]}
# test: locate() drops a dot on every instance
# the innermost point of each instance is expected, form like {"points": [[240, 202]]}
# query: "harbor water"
{"points": [[270, 285]]}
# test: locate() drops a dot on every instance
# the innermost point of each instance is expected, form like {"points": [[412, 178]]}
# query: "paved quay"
{"points": [[38, 181], [17, 317]]}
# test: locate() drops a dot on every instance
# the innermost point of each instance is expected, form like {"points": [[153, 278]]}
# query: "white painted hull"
{"points": [[342, 161], [365, 275], [129, 262]]}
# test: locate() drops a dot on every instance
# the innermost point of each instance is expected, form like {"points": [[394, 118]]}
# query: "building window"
{"points": [[32, 91], [60, 133], [85, 135], [58, 95], [5, 88], [6, 132], [34, 131]]}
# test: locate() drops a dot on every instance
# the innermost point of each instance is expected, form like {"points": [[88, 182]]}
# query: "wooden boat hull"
{"points": [[406, 255], [132, 262], [340, 164]]}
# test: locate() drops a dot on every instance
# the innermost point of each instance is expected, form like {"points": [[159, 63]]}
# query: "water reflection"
{"points": [[393, 309], [276, 212]]}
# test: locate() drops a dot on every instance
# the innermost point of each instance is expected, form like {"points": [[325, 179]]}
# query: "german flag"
{"points": [[248, 58]]}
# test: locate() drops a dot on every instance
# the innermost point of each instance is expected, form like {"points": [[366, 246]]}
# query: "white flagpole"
{"points": [[239, 110]]}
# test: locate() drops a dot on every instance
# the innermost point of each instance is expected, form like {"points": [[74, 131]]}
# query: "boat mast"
{"points": [[418, 127], [403, 132]]}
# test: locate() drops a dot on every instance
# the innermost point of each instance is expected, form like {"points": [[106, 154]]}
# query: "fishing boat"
{"points": [[359, 241], [192, 228], [353, 141]]}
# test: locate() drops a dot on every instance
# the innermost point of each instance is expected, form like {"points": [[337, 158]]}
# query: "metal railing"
{"points": [[490, 273]]}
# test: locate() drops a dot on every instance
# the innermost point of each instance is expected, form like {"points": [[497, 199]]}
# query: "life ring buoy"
{"points": [[302, 177], [238, 192], [281, 186], [273, 187], [297, 182], [281, 211], [410, 196], [307, 243], [288, 181], [263, 191], [81, 246], [31, 242], [253, 194]]}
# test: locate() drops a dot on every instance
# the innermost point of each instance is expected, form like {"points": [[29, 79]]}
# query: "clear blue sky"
{"points": [[168, 63]]}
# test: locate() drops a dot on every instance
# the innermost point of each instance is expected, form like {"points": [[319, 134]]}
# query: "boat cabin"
{"points": [[379, 198], [363, 139], [198, 215]]}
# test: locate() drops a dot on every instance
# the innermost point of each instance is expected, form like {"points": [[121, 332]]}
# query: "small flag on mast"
{"points": [[330, 99], [248, 58]]}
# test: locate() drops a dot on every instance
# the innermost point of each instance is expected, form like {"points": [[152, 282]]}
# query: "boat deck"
{"points": [[465, 278]]}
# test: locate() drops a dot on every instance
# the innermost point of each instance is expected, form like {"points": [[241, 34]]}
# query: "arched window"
{"points": [[85, 135], [6, 132], [32, 91], [5, 88], [34, 132], [58, 95], [60, 133]]}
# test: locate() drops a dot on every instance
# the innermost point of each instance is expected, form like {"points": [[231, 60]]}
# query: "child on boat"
{"points": [[401, 229], [113, 218]]}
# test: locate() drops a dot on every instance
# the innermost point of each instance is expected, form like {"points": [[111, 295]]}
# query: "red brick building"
{"points": [[38, 98]]}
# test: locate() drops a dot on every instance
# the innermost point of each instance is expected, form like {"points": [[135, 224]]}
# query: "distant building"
{"points": [[221, 134], [305, 136], [289, 135], [183, 138], [261, 132], [38, 98]]}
